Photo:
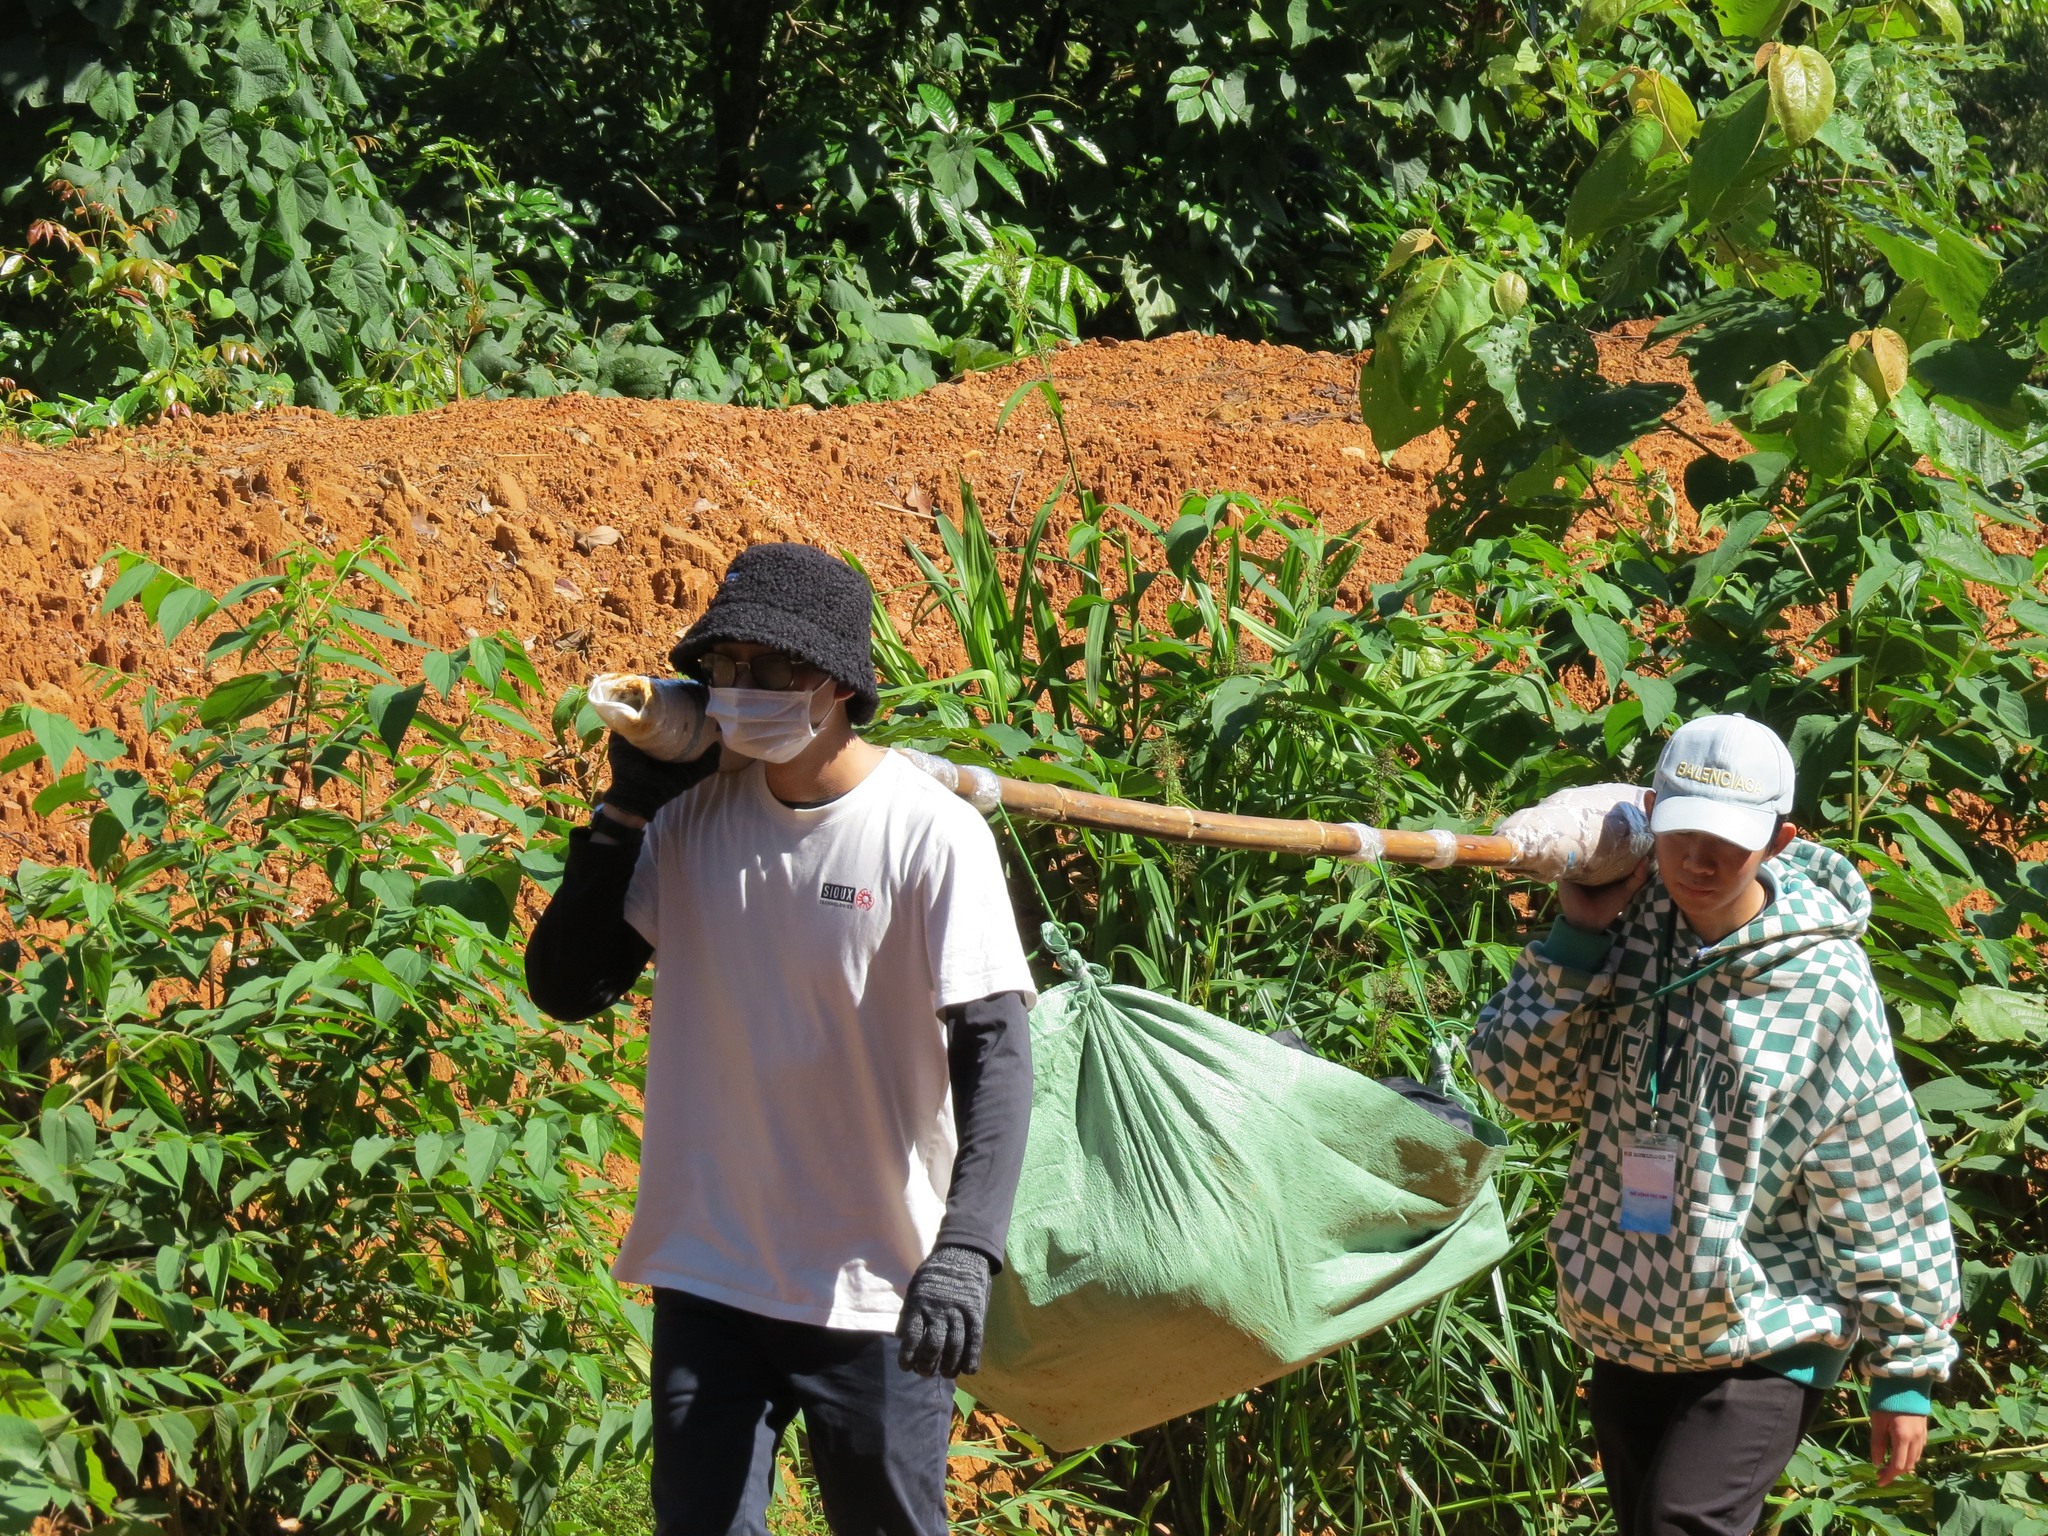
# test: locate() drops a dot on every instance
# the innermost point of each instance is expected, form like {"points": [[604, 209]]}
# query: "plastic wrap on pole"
{"points": [[662, 716], [1588, 836]]}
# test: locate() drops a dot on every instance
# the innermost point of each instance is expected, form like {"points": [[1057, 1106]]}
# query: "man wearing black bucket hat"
{"points": [[839, 1075]]}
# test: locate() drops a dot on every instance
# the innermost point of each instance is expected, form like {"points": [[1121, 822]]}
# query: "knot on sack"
{"points": [[1070, 959], [1443, 1056]]}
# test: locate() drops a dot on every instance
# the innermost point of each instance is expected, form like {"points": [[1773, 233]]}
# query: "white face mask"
{"points": [[759, 722]]}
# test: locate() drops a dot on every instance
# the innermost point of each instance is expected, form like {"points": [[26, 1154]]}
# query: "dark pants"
{"points": [[1695, 1453], [727, 1383]]}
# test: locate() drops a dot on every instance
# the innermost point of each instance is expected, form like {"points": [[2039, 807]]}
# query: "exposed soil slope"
{"points": [[595, 529]]}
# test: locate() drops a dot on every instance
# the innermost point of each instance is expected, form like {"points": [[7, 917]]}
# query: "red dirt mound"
{"points": [[595, 529]]}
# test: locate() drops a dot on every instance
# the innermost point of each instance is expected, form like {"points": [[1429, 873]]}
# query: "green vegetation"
{"points": [[379, 207], [305, 1214], [1245, 690]]}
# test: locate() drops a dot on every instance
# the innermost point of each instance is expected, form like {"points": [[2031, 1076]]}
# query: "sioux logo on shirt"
{"points": [[846, 896]]}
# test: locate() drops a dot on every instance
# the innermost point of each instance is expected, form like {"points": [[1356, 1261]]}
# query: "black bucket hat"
{"points": [[803, 602]]}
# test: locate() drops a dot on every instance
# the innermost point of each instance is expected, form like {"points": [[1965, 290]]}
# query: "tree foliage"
{"points": [[377, 207], [1847, 318], [303, 1210], [381, 207]]}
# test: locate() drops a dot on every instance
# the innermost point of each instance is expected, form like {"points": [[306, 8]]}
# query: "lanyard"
{"points": [[1661, 998], [1665, 944]]}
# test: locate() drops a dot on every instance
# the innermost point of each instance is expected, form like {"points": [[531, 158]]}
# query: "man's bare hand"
{"points": [[1595, 907], [1896, 1443]]}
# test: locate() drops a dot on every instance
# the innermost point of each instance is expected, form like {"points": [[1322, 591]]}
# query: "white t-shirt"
{"points": [[799, 1133]]}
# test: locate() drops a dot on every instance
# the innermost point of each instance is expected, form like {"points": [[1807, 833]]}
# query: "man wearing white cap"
{"points": [[1753, 1204]]}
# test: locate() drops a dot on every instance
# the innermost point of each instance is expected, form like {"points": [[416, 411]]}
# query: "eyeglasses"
{"points": [[772, 671]]}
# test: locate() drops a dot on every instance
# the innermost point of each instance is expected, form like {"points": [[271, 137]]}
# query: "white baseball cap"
{"points": [[1726, 775]]}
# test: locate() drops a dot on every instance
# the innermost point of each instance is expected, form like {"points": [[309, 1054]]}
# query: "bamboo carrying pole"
{"points": [[1215, 829], [1589, 839]]}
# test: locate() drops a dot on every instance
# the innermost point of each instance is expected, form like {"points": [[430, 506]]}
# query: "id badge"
{"points": [[1649, 1183]]}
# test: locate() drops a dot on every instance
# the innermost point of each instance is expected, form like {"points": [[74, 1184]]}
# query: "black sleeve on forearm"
{"points": [[583, 955], [988, 1055]]}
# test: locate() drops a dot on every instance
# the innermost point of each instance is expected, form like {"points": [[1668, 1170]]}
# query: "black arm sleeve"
{"points": [[988, 1055], [583, 955]]}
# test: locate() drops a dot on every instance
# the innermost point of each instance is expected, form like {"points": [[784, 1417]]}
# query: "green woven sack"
{"points": [[1203, 1209]]}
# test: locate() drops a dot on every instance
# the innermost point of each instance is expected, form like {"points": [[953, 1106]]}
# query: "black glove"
{"points": [[642, 785], [943, 1312]]}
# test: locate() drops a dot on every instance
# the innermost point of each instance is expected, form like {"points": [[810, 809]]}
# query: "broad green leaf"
{"points": [[1916, 424], [1657, 96], [268, 70], [940, 106], [330, 45], [475, 898], [482, 1148], [536, 1145], [1410, 244], [1234, 706], [1405, 387], [125, 1435], [324, 1488], [55, 734], [1951, 267], [1997, 1014], [1608, 642], [2030, 613], [1184, 539], [301, 1172], [1718, 562], [999, 173], [1948, 1095], [1936, 836], [1600, 420], [36, 1162], [905, 330], [1750, 18], [1802, 92], [1730, 159], [360, 1399], [1659, 698], [1915, 315], [1947, 17], [1836, 410], [1980, 381], [391, 710], [1922, 1022], [1597, 18], [181, 609], [240, 697], [430, 1152], [2029, 1278], [170, 131], [1633, 177], [1967, 555], [444, 670], [178, 1435], [137, 573], [2017, 304]]}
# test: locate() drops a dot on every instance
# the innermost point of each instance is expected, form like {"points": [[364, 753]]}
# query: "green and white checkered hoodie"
{"points": [[1810, 1218]]}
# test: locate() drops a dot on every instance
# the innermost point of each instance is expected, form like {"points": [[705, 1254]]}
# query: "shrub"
{"points": [[305, 1211]]}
